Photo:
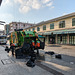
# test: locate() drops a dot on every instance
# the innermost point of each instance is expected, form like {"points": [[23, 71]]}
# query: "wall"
{"points": [[68, 24]]}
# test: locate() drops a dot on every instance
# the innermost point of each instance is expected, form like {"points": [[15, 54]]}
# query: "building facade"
{"points": [[60, 30], [19, 25]]}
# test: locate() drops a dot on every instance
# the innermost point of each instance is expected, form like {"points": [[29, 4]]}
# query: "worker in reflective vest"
{"points": [[37, 43], [33, 43]]}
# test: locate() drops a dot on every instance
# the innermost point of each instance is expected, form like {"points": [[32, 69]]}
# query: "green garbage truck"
{"points": [[25, 42]]}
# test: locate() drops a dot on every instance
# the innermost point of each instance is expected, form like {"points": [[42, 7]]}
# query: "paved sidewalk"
{"points": [[18, 66]]}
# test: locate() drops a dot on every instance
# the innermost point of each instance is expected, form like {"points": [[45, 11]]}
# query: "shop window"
{"points": [[38, 28], [72, 39], [52, 26], [44, 27], [61, 24], [33, 29], [73, 22]]}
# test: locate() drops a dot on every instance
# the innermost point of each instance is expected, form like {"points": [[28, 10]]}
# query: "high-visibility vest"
{"points": [[38, 44], [33, 43]]}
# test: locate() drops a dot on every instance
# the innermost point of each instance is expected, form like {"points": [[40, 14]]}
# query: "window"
{"points": [[24, 25], [73, 22], [38, 28], [61, 24], [52, 26], [44, 27], [33, 29], [29, 29]]}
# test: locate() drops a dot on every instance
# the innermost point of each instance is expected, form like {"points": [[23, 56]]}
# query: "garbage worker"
{"points": [[33, 43], [37, 45]]}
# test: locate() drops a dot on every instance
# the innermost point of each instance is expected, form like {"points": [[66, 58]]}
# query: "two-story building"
{"points": [[59, 30]]}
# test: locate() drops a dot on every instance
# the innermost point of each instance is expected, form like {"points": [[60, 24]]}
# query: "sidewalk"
{"points": [[11, 66]]}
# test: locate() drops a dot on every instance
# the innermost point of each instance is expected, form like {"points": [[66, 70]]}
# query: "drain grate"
{"points": [[6, 61]]}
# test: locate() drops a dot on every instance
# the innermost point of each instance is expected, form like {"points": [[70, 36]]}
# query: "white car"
{"points": [[3, 39]]}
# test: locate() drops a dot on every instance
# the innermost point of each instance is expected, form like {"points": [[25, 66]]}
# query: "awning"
{"points": [[41, 36], [66, 31]]}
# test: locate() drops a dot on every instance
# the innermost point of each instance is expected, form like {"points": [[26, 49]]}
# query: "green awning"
{"points": [[66, 31], [41, 36]]}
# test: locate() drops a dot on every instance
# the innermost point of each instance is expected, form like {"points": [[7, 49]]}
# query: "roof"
{"points": [[55, 19], [21, 23]]}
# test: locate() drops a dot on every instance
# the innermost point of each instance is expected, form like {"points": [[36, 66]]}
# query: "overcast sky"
{"points": [[34, 11]]}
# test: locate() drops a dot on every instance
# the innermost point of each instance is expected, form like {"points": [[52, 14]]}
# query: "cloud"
{"points": [[27, 5], [45, 1], [49, 4], [24, 9], [6, 17], [64, 13], [7, 2], [36, 4]]}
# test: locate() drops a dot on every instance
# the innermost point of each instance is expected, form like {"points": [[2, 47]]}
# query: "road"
{"points": [[67, 52], [48, 65]]}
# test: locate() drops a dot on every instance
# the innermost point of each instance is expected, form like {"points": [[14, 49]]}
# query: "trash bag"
{"points": [[30, 63], [7, 49], [26, 47], [50, 53], [58, 56]]}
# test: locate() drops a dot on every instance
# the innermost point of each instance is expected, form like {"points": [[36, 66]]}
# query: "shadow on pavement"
{"points": [[53, 46]]}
